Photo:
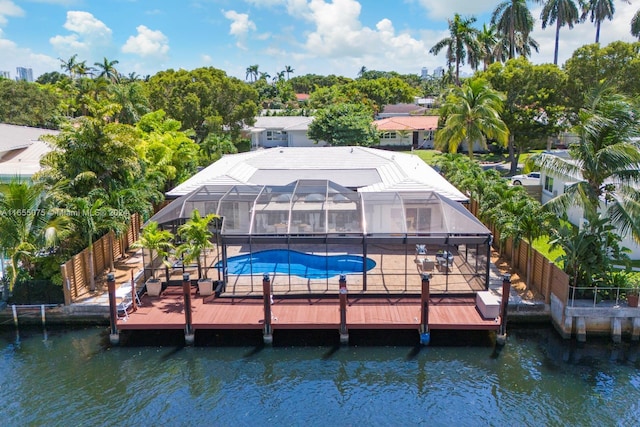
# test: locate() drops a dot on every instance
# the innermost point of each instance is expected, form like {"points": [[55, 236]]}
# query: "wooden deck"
{"points": [[312, 313]]}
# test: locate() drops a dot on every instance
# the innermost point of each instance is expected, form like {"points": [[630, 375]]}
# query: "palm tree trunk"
{"points": [[555, 53], [598, 32]]}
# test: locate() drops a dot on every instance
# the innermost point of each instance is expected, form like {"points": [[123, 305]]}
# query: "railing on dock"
{"points": [[598, 294]]}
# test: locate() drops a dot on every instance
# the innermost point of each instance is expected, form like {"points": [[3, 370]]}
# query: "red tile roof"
{"points": [[407, 123]]}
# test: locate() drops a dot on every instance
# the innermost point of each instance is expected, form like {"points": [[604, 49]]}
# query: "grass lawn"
{"points": [[428, 156]]}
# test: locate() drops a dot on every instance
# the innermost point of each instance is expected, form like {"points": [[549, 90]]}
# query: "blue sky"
{"points": [[311, 36]]}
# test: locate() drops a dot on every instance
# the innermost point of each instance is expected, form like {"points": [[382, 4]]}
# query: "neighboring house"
{"points": [[554, 185], [21, 151], [281, 131], [407, 131]]}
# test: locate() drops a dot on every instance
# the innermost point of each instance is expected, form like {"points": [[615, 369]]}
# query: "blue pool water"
{"points": [[296, 263]]}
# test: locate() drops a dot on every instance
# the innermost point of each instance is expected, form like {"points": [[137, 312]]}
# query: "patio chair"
{"points": [[123, 306], [125, 290]]}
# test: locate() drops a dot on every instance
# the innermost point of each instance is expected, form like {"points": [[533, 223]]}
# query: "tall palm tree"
{"points": [[131, 101], [252, 73], [598, 11], [108, 69], [288, 70], [560, 12], [488, 41], [635, 25], [69, 65], [604, 164], [472, 114], [462, 44], [512, 17]]}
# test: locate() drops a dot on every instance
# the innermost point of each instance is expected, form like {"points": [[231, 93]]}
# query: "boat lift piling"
{"points": [[344, 333], [425, 335], [267, 332]]}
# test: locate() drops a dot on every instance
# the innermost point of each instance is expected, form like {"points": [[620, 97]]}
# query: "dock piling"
{"points": [[189, 337], [267, 334], [344, 333], [506, 290], [114, 335], [425, 335]]}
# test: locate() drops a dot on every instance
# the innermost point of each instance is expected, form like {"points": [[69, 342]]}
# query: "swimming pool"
{"points": [[296, 263]]}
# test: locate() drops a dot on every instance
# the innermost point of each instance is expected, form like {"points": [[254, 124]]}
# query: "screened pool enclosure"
{"points": [[397, 237]]}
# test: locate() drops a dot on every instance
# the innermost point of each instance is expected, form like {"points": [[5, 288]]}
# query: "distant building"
{"points": [[25, 74], [5, 74], [424, 73], [438, 72]]}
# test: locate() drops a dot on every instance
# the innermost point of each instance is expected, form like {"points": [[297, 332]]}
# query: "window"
{"points": [[276, 135], [388, 135], [548, 184]]}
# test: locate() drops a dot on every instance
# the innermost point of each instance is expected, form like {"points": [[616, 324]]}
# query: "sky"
{"points": [[311, 36]]}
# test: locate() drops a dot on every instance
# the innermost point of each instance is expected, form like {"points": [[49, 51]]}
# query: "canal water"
{"points": [[76, 379]]}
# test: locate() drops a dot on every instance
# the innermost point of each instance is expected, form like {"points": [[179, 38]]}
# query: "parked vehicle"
{"points": [[532, 178]]}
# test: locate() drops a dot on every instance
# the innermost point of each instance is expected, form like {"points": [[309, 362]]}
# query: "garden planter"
{"points": [[205, 287], [632, 300], [154, 287]]}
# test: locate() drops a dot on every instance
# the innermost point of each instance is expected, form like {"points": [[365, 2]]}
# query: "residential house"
{"points": [[21, 150], [554, 185], [281, 131], [407, 131]]}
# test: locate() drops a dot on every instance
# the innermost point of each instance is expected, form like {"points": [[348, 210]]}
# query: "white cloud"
{"points": [[14, 56], [340, 37], [206, 59], [147, 43], [88, 34], [240, 26], [9, 8]]}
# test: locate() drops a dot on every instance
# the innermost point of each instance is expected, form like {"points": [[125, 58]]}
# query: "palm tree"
{"points": [[288, 70], [488, 41], [635, 25], [108, 69], [604, 164], [362, 71], [196, 236], [252, 72], [599, 10], [157, 242], [562, 12], [472, 114], [461, 44], [69, 65], [27, 225], [131, 101], [512, 17]]}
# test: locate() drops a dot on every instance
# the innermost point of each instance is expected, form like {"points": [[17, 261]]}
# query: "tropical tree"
{"points": [[488, 42], [560, 12], [344, 124], [131, 102], [462, 44], [598, 11], [604, 164], [288, 69], [27, 225], [108, 69], [252, 73], [513, 19], [635, 25], [471, 114], [196, 237], [157, 241], [69, 65]]}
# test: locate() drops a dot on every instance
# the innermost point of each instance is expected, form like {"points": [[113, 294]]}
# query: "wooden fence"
{"points": [[546, 277], [75, 272]]}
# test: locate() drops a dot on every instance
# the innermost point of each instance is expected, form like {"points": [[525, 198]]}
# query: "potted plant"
{"points": [[196, 237], [158, 242]]}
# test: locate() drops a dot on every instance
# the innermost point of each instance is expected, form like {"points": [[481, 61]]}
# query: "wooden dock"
{"points": [[304, 312]]}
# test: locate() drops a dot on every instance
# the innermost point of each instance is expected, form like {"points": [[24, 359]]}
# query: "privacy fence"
{"points": [[546, 277], [107, 249]]}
